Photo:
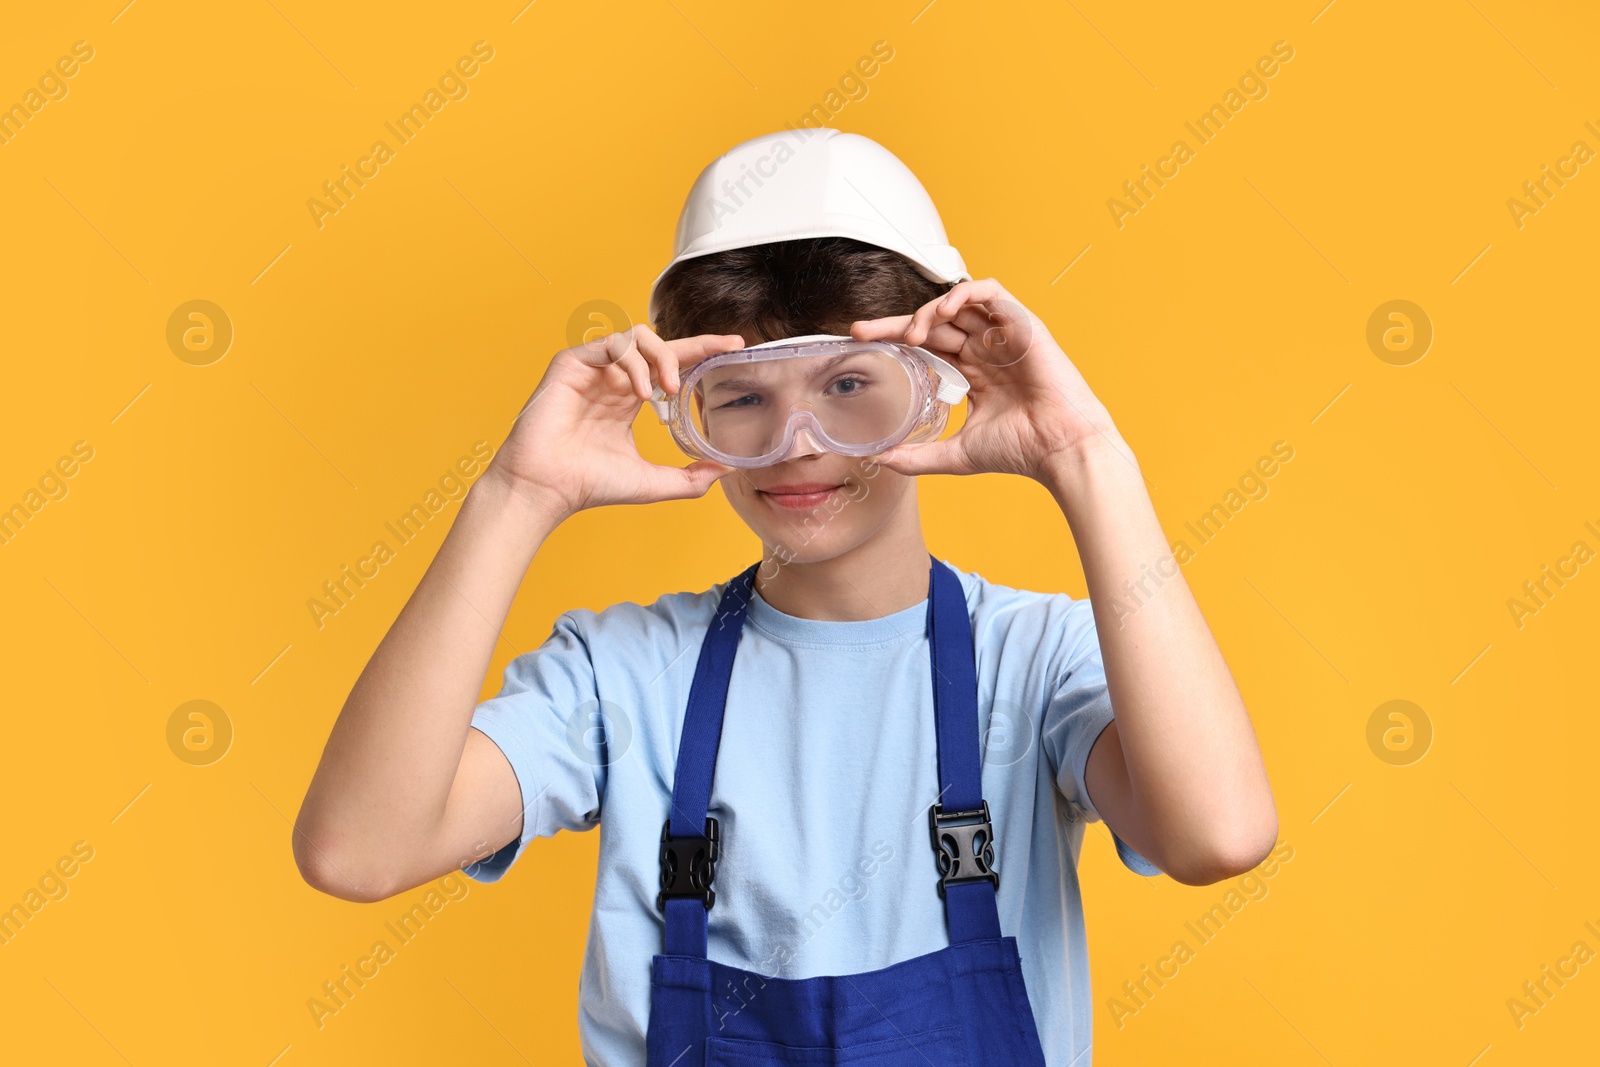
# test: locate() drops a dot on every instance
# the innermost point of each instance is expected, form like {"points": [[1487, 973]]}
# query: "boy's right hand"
{"points": [[572, 444]]}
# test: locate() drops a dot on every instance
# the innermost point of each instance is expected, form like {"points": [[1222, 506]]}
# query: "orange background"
{"points": [[1228, 313]]}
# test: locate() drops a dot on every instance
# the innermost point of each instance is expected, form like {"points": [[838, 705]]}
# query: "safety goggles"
{"points": [[750, 407]]}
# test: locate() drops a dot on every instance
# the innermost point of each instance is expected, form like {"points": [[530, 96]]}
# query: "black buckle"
{"points": [[963, 844], [688, 865]]}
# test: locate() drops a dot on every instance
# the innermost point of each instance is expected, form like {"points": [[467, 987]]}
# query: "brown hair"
{"points": [[789, 289]]}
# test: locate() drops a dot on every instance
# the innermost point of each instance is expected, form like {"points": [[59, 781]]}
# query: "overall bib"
{"points": [[961, 1006]]}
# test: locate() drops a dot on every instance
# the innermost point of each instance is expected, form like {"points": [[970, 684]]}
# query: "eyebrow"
{"points": [[744, 384]]}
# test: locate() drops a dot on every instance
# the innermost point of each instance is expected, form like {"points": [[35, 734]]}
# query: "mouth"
{"points": [[800, 496]]}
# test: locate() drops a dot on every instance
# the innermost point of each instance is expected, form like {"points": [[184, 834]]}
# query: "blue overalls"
{"points": [[961, 1006]]}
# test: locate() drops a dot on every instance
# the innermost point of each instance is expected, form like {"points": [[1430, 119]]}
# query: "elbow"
{"points": [[1227, 856], [338, 876]]}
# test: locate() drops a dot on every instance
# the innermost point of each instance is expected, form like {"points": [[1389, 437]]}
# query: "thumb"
{"points": [[703, 473], [679, 483], [930, 457]]}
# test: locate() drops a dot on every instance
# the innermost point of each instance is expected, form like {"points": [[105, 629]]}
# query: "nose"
{"points": [[805, 444]]}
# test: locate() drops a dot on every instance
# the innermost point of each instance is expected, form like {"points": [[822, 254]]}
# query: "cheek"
{"points": [[882, 491], [742, 497], [868, 503], [737, 488]]}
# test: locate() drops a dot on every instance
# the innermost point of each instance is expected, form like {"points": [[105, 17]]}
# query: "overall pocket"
{"points": [[942, 1047]]}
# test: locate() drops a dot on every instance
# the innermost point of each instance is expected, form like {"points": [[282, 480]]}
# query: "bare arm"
{"points": [[406, 790], [1178, 774]]}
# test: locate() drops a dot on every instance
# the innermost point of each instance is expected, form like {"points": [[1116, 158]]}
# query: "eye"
{"points": [[740, 403], [849, 386]]}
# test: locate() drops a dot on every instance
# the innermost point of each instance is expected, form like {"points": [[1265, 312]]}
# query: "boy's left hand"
{"points": [[1029, 404]]}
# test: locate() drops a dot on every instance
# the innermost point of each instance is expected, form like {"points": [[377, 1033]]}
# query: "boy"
{"points": [[856, 697]]}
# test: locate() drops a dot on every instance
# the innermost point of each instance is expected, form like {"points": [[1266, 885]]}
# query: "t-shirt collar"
{"points": [[852, 633]]}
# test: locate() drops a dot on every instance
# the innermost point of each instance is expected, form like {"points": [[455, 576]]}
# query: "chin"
{"points": [[817, 550], [808, 538]]}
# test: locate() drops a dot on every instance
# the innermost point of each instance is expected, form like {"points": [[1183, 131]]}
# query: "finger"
{"points": [[1009, 329], [889, 328], [929, 315], [970, 334], [946, 307], [948, 338], [659, 355], [635, 350], [622, 350], [691, 350], [671, 357]]}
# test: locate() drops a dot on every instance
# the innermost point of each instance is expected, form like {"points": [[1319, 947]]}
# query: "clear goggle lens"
{"points": [[751, 407], [744, 409]]}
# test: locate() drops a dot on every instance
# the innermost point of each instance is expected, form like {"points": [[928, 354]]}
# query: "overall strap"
{"points": [[692, 857], [958, 821], [963, 838]]}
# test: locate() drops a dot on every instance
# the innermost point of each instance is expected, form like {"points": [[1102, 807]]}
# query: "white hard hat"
{"points": [[807, 182]]}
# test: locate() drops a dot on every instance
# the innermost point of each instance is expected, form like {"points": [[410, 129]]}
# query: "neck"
{"points": [[886, 573]]}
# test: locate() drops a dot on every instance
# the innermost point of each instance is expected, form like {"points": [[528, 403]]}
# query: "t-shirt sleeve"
{"points": [[547, 720], [1079, 710]]}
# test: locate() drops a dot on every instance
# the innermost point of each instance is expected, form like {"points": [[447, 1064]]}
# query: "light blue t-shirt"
{"points": [[824, 776]]}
